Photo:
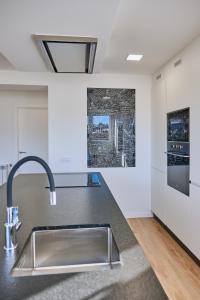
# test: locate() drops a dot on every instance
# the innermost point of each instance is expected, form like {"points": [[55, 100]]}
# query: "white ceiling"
{"points": [[156, 28], [22, 18]]}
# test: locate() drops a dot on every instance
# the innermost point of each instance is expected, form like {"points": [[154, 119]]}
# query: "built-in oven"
{"points": [[178, 150]]}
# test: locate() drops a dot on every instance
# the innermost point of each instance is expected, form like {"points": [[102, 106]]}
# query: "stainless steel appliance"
{"points": [[178, 150]]}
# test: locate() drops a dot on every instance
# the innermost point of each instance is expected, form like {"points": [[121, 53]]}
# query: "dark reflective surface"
{"points": [[76, 180], [178, 150], [178, 161], [178, 173], [178, 125], [111, 127]]}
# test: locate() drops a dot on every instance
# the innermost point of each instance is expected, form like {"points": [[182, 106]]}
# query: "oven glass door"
{"points": [[178, 172], [178, 126]]}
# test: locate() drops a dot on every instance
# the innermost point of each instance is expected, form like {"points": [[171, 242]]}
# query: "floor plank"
{"points": [[177, 272]]}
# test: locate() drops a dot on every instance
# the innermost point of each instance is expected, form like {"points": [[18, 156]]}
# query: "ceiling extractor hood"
{"points": [[67, 54]]}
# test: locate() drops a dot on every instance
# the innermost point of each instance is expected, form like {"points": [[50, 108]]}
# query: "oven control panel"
{"points": [[178, 147]]}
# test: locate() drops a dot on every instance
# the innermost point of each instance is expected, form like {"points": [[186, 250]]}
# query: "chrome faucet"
{"points": [[13, 223]]}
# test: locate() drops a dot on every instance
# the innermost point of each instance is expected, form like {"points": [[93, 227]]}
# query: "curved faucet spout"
{"points": [[13, 224], [16, 167]]}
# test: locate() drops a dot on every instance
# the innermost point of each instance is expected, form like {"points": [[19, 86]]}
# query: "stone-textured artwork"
{"points": [[111, 127]]}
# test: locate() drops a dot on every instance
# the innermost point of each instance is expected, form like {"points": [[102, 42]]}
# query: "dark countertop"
{"points": [[135, 279]]}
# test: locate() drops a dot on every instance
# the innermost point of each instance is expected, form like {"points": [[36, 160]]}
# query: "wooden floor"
{"points": [[178, 274]]}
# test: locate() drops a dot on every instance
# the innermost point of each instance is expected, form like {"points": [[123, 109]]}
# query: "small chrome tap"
{"points": [[13, 223], [11, 227]]}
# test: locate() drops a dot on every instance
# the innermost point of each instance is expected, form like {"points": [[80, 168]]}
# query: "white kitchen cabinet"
{"points": [[193, 221], [177, 207], [179, 88], [182, 81], [158, 193], [158, 121], [170, 206]]}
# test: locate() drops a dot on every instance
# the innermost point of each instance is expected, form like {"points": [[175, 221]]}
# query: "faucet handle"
{"points": [[15, 217], [15, 214], [11, 226]]}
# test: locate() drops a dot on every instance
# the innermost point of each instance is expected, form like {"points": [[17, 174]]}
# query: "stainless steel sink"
{"points": [[64, 249]]}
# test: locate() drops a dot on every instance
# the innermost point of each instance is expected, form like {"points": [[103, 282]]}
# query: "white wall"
{"points": [[67, 107], [10, 100], [178, 88]]}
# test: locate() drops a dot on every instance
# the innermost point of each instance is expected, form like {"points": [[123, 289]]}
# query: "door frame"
{"points": [[36, 108]]}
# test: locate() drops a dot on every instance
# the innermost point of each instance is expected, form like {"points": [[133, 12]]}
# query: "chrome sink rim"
{"points": [[67, 268]]}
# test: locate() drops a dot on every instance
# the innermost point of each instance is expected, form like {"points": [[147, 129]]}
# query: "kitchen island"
{"points": [[135, 278]]}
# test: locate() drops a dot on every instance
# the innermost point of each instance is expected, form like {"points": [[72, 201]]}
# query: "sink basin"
{"points": [[67, 249]]}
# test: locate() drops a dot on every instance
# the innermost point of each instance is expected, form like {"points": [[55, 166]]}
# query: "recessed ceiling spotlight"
{"points": [[136, 57]]}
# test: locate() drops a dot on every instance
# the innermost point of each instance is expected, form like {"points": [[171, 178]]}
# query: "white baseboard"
{"points": [[138, 214]]}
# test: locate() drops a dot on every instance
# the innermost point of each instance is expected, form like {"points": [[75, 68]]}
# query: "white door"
{"points": [[32, 137]]}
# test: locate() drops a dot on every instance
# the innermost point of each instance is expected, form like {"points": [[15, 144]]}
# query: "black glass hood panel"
{"points": [[70, 180]]}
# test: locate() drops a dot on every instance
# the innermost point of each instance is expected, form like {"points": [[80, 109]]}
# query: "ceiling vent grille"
{"points": [[158, 76], [67, 54], [177, 63]]}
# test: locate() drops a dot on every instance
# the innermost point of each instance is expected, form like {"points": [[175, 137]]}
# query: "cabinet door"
{"points": [[177, 207], [177, 85], [159, 124], [193, 221], [182, 80], [158, 194]]}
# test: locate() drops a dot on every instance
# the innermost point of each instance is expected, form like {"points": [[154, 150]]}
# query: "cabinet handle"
{"points": [[195, 183], [176, 154]]}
